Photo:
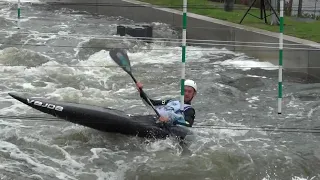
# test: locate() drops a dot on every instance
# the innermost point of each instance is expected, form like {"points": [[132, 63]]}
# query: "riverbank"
{"points": [[297, 27]]}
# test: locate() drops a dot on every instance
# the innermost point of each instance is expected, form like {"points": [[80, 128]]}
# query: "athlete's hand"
{"points": [[139, 86], [163, 119]]}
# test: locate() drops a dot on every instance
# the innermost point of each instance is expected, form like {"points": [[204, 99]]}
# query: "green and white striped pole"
{"points": [[19, 14], [280, 56], [184, 39]]}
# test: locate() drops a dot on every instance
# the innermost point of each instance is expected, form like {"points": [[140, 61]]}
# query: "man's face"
{"points": [[189, 92]]}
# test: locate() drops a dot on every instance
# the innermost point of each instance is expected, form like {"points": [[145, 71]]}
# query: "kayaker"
{"points": [[169, 109]]}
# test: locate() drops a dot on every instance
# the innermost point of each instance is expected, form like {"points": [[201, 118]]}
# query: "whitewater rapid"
{"points": [[63, 55]]}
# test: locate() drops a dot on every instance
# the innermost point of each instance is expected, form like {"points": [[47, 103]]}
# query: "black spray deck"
{"points": [[104, 119]]}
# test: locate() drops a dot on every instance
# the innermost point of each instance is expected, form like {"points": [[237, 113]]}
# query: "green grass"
{"points": [[292, 26]]}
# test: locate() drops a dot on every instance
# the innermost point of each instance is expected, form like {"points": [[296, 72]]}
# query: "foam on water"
{"points": [[86, 154], [263, 77], [40, 38], [170, 55], [16, 154], [245, 64], [83, 41]]}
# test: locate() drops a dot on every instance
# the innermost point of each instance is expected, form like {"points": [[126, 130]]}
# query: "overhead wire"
{"points": [[208, 5], [158, 39], [160, 5], [262, 128], [133, 5], [153, 49], [203, 45], [217, 127], [150, 64]]}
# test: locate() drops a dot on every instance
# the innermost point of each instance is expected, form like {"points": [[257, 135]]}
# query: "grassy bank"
{"points": [[294, 27]]}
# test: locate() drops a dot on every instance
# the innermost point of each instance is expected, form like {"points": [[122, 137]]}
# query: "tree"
{"points": [[228, 5], [300, 8], [274, 20]]}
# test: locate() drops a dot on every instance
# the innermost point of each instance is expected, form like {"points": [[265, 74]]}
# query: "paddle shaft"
{"points": [[134, 79], [122, 59]]}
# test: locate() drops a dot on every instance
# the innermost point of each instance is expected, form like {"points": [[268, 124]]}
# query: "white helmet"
{"points": [[191, 83]]}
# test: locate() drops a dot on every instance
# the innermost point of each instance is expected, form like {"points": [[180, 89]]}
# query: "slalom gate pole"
{"points": [[184, 39], [280, 57]]}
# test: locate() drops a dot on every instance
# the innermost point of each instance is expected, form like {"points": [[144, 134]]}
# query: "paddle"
{"points": [[121, 58]]}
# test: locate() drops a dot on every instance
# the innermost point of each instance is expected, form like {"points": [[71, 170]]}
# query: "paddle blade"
{"points": [[121, 58]]}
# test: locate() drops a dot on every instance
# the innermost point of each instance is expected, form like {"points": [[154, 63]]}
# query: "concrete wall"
{"points": [[200, 27]]}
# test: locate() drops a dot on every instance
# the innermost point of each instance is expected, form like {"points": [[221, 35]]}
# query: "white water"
{"points": [[60, 150]]}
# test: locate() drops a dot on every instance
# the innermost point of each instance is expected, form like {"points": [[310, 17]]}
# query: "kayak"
{"points": [[105, 119]]}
